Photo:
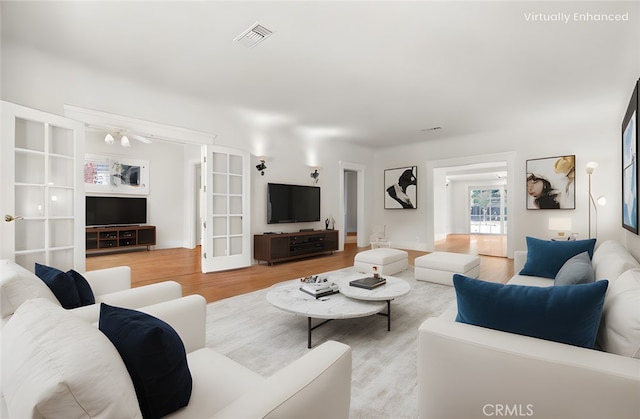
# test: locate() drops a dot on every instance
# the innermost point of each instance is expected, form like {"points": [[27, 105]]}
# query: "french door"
{"points": [[488, 210], [226, 238], [42, 190]]}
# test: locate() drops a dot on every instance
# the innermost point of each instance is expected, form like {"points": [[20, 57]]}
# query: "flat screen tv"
{"points": [[292, 203], [115, 211]]}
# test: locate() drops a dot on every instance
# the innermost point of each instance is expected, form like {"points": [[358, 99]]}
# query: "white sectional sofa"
{"points": [[72, 370], [111, 286], [466, 371]]}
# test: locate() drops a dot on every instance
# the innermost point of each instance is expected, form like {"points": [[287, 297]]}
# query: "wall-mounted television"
{"points": [[292, 203], [115, 211]]}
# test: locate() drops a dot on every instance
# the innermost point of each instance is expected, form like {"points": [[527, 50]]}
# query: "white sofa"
{"points": [[466, 371], [111, 286], [95, 382]]}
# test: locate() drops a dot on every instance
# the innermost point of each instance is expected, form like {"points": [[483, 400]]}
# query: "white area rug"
{"points": [[250, 331]]}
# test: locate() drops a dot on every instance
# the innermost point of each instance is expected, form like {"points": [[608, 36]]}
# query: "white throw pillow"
{"points": [[57, 365], [18, 285], [619, 331], [611, 259]]}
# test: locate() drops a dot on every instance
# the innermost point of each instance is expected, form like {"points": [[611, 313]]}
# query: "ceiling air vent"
{"points": [[254, 35]]}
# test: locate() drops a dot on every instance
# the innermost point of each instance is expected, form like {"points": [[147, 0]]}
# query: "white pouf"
{"points": [[439, 267], [388, 261]]}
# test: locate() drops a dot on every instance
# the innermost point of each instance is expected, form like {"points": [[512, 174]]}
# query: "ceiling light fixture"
{"points": [[124, 138]]}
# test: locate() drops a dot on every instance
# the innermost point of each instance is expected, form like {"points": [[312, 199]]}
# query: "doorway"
{"points": [[351, 197], [350, 206], [452, 210]]}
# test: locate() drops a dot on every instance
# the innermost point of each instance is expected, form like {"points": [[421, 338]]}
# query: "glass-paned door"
{"points": [[226, 196], [42, 200], [488, 210]]}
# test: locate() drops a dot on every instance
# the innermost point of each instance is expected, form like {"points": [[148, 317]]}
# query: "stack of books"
{"points": [[368, 283], [318, 290]]}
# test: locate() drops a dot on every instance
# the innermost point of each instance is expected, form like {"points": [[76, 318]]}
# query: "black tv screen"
{"points": [[292, 203], [111, 210]]}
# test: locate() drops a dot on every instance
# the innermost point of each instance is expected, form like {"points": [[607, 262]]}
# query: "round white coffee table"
{"points": [[351, 302], [287, 297]]}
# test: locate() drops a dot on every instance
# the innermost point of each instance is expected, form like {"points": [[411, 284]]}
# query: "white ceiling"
{"points": [[375, 73]]}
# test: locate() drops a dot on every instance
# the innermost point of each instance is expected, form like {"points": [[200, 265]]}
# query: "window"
{"points": [[488, 210]]}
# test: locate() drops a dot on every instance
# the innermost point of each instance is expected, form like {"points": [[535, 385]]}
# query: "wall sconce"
{"points": [[315, 175], [561, 225], [261, 167]]}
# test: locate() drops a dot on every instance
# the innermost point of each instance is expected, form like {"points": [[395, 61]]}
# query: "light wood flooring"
{"points": [[183, 266]]}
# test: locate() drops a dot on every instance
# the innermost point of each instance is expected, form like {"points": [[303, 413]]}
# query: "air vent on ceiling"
{"points": [[254, 35]]}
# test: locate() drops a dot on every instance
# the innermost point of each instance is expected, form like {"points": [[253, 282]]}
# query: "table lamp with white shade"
{"points": [[562, 225]]}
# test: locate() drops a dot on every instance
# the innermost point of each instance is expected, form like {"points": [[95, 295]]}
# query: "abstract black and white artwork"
{"points": [[400, 188]]}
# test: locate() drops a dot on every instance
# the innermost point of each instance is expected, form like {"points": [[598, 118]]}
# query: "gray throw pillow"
{"points": [[577, 270]]}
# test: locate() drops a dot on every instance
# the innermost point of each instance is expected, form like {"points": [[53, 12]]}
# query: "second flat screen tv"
{"points": [[292, 203], [113, 211]]}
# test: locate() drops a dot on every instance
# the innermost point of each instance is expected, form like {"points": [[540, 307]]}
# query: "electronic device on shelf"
{"points": [[292, 203], [115, 211]]}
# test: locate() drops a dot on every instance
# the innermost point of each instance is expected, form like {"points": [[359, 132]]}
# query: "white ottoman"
{"points": [[388, 261], [439, 267]]}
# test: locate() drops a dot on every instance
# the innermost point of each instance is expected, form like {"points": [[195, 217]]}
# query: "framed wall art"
{"points": [[630, 133], [400, 188], [551, 183], [116, 175]]}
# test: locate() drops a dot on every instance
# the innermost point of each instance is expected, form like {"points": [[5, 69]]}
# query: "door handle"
{"points": [[8, 218]]}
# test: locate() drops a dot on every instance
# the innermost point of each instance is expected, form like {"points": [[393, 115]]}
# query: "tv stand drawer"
{"points": [[281, 247]]}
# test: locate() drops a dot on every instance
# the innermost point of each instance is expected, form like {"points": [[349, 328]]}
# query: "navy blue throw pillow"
{"points": [[154, 355], [546, 257], [562, 314], [62, 285], [84, 289]]}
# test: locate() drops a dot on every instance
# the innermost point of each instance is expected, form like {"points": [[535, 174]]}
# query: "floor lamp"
{"points": [[591, 166]]}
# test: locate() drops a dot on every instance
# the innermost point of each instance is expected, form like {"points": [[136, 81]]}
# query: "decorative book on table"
{"points": [[318, 292], [368, 283]]}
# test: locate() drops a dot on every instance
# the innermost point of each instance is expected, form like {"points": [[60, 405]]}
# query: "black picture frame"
{"points": [[400, 188], [629, 136], [550, 183]]}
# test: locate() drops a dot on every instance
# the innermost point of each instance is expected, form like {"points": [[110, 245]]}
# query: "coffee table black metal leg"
{"points": [[388, 315], [309, 329]]}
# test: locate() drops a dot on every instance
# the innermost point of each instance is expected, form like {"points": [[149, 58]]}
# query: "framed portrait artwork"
{"points": [[630, 164], [551, 183], [400, 188]]}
